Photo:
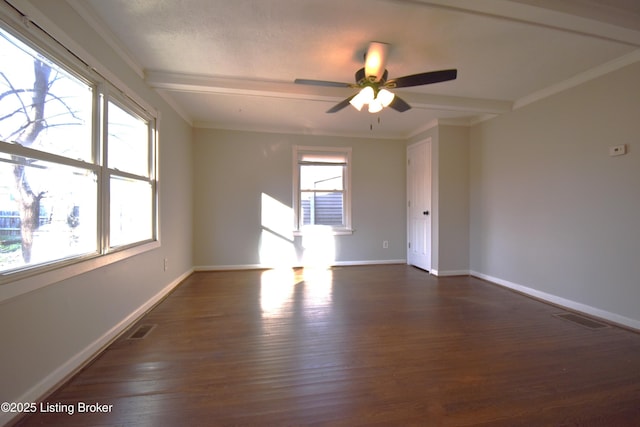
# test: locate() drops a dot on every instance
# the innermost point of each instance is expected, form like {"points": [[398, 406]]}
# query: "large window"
{"points": [[322, 188], [77, 162]]}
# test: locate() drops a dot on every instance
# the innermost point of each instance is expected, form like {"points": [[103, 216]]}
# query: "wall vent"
{"points": [[141, 332], [581, 320]]}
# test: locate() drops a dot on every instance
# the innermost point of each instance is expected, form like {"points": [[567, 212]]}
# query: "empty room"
{"points": [[281, 212]]}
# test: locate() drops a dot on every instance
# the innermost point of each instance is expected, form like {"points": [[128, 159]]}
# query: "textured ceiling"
{"points": [[231, 64]]}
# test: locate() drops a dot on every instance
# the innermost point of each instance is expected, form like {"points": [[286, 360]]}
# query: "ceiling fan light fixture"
{"points": [[375, 106], [375, 60], [385, 97], [365, 96], [373, 83], [357, 102]]}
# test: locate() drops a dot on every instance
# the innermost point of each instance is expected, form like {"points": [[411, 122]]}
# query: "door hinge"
{"points": [[409, 245]]}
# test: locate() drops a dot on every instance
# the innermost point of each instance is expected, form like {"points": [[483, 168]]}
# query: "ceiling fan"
{"points": [[374, 86]]}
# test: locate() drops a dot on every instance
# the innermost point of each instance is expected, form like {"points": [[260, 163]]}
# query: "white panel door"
{"points": [[419, 205]]}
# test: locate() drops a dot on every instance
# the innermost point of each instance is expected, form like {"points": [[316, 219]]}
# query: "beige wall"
{"points": [[550, 210], [234, 169], [48, 332], [453, 200], [530, 199]]}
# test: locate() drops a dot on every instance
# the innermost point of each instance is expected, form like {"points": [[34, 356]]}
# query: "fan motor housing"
{"points": [[361, 78]]}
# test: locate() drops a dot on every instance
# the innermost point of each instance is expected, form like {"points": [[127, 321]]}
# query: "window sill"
{"points": [[20, 283], [324, 230]]}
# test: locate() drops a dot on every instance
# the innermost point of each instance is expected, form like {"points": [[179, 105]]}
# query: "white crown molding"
{"points": [[515, 11], [579, 79], [460, 121], [429, 125], [107, 35], [176, 107], [622, 13], [482, 118]]}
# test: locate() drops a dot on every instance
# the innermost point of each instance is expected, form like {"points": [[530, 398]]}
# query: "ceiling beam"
{"points": [[177, 82]]}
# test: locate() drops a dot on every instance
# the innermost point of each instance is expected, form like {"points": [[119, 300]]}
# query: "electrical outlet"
{"points": [[166, 264], [385, 244]]}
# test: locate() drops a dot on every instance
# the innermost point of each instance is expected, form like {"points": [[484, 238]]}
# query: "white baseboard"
{"points": [[449, 273], [266, 266], [563, 302], [374, 262], [229, 267], [80, 359]]}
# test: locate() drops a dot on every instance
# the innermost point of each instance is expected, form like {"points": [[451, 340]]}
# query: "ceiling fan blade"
{"points": [[341, 105], [399, 104], [321, 83], [423, 78]]}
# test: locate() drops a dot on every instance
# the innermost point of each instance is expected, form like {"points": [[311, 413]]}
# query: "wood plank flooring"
{"points": [[369, 345]]}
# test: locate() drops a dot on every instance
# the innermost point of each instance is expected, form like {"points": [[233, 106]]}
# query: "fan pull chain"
{"points": [[371, 124]]}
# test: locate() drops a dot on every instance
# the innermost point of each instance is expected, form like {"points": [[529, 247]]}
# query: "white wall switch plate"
{"points": [[617, 150]]}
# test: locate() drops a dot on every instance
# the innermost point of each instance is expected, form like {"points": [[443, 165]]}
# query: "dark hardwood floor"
{"points": [[370, 345]]}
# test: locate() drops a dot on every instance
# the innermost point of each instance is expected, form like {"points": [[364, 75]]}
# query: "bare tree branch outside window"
{"points": [[65, 192], [40, 105]]}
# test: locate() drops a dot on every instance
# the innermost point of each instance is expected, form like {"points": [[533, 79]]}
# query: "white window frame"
{"points": [[31, 277], [152, 165], [299, 151]]}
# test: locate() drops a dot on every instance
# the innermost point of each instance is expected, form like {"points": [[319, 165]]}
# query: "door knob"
{"points": [[425, 213]]}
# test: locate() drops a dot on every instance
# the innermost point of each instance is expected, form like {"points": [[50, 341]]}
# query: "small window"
{"points": [[322, 188], [131, 211], [128, 139], [131, 184]]}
